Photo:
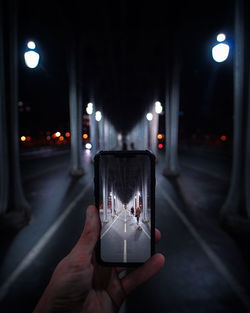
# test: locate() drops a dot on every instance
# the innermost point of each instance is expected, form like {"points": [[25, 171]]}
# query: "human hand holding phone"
{"points": [[79, 284]]}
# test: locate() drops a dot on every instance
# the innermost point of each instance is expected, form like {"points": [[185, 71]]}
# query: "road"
{"points": [[204, 272], [123, 241]]}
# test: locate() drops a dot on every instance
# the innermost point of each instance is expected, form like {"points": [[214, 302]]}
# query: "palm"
{"points": [[79, 284]]}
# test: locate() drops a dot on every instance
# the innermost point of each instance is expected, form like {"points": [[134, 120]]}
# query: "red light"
{"points": [[223, 138], [160, 145]]}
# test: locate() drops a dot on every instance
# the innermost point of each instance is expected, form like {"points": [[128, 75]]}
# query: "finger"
{"points": [[143, 273], [91, 230], [157, 235]]}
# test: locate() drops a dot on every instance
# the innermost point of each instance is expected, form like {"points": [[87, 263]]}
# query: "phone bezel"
{"points": [[97, 201]]}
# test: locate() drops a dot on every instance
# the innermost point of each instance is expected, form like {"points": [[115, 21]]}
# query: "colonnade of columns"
{"points": [[14, 209]]}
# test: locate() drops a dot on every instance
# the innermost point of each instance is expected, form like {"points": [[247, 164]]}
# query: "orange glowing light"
{"points": [[159, 136], [61, 138], [160, 145], [223, 138], [28, 138], [23, 138], [85, 136], [67, 134]]}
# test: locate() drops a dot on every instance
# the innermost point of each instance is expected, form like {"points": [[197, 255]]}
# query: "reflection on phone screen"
{"points": [[125, 208]]}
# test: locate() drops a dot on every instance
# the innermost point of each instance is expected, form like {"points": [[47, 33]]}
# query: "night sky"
{"points": [[127, 51]]}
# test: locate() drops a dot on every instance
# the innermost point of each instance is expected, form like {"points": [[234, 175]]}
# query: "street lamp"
{"points": [[149, 116], [220, 51], [158, 107], [31, 57], [89, 108], [98, 116]]}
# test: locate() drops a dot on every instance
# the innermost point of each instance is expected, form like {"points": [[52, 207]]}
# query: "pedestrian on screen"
{"points": [[137, 214], [132, 210]]}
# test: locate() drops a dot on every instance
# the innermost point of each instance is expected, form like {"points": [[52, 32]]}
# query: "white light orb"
{"points": [[221, 37], [58, 134], [158, 107], [31, 45], [31, 59], [220, 52], [89, 108], [98, 116], [88, 146], [149, 116]]}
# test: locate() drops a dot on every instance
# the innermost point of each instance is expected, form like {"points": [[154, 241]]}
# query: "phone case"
{"points": [[140, 229]]}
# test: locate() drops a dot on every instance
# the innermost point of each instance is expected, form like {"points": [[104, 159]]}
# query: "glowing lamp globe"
{"points": [[220, 52], [31, 59]]}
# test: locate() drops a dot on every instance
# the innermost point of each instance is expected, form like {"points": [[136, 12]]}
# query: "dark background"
{"points": [[127, 51]]}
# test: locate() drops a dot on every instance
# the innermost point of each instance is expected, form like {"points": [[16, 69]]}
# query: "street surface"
{"points": [[205, 270], [123, 241]]}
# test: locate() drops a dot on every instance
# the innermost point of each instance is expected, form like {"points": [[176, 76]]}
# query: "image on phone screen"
{"points": [[125, 208]]}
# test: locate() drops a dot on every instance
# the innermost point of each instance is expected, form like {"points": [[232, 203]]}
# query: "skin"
{"points": [[79, 284]]}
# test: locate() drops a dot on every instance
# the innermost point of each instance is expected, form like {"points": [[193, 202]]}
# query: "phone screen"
{"points": [[126, 206]]}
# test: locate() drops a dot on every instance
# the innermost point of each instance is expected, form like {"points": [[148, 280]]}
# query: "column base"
{"points": [[15, 220], [145, 220], [105, 220], [171, 173], [236, 225], [77, 172]]}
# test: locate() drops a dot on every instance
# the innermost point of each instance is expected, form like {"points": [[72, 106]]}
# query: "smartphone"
{"points": [[125, 198]]}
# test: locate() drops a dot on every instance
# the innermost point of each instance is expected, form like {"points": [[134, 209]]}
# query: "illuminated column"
{"points": [[146, 134], [239, 188], [75, 117], [112, 201], [175, 94], [172, 122], [93, 131], [166, 170], [154, 131], [144, 196], [101, 134], [14, 208], [105, 194], [137, 199]]}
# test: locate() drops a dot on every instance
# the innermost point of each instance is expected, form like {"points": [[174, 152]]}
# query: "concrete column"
{"points": [[76, 168], [105, 194], [172, 166], [247, 155], [146, 134], [137, 199], [15, 208], [235, 197], [166, 170], [154, 131], [144, 195], [113, 201], [4, 164], [101, 133], [93, 131]]}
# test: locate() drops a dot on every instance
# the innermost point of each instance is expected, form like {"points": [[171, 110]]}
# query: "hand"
{"points": [[79, 284]]}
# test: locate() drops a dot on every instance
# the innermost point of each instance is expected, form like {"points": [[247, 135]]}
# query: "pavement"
{"points": [[205, 269], [123, 241]]}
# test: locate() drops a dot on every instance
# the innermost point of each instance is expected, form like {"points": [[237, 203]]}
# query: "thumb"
{"points": [[91, 230]]}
